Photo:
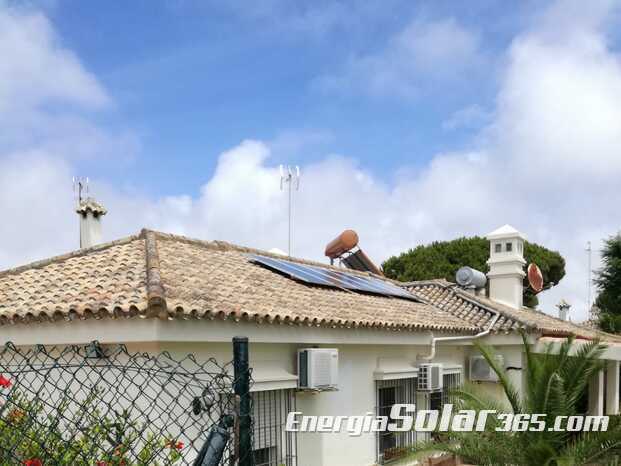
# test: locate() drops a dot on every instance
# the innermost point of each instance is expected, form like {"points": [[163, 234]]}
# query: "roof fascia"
{"points": [[135, 330]]}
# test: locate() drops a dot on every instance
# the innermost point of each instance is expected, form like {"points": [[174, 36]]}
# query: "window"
{"points": [[387, 399], [497, 247], [272, 445], [393, 445], [509, 247], [437, 399], [451, 381], [264, 456]]}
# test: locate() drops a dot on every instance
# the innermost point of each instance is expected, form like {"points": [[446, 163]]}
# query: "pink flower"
{"points": [[4, 382]]}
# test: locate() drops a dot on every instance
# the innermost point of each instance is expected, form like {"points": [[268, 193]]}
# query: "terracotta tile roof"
{"points": [[476, 310], [159, 275], [108, 279]]}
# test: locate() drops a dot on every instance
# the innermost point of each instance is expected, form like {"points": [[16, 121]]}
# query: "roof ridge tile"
{"points": [[227, 246], [156, 293]]}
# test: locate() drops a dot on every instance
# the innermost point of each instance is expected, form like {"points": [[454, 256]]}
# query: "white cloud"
{"points": [[47, 95], [33, 205], [36, 69], [423, 51], [472, 116], [549, 165], [44, 94]]}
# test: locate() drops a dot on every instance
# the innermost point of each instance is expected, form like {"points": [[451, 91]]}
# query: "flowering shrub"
{"points": [[5, 383], [40, 433]]}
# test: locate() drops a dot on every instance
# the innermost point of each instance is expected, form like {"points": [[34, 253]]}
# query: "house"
{"points": [[156, 291]]}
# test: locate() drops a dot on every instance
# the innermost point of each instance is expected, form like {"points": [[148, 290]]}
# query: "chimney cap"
{"points": [[91, 205], [505, 231], [562, 304]]}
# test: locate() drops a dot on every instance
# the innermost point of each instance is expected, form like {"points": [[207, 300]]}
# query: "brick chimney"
{"points": [[506, 266], [90, 212]]}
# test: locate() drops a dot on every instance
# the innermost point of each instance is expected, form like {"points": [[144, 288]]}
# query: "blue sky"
{"points": [[411, 122], [194, 78]]}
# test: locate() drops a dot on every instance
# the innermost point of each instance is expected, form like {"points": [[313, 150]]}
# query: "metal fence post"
{"points": [[242, 390]]}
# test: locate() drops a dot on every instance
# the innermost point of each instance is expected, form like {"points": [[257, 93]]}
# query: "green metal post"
{"points": [[242, 390]]}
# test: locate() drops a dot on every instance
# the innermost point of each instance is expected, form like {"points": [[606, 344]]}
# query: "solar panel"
{"points": [[361, 262], [332, 278]]}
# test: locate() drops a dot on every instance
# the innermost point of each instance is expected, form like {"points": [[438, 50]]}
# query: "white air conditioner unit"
{"points": [[481, 371], [430, 377], [318, 368]]}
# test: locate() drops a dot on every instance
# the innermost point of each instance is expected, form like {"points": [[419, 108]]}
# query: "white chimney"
{"points": [[506, 266], [90, 212], [563, 309]]}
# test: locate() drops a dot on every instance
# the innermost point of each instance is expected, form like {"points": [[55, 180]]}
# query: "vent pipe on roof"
{"points": [[90, 212]]}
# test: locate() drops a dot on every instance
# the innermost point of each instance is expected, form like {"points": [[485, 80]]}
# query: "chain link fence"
{"points": [[101, 405]]}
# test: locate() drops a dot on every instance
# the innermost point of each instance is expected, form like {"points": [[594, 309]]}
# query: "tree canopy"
{"points": [[608, 281], [442, 259]]}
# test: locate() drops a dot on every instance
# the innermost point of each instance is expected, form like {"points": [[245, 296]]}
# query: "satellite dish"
{"points": [[535, 278]]}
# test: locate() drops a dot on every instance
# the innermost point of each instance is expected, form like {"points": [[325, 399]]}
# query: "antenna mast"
{"points": [[291, 177], [80, 187], [589, 253]]}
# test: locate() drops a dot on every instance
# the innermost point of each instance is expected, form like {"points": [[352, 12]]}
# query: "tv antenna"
{"points": [[291, 177], [589, 251], [80, 187]]}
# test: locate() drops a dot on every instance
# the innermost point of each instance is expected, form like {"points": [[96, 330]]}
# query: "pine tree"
{"points": [[442, 259]]}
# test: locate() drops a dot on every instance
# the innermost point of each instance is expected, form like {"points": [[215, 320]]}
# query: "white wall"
{"points": [[513, 359], [360, 352], [356, 394]]}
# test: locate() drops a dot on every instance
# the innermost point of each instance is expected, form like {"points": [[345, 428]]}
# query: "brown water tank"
{"points": [[341, 244]]}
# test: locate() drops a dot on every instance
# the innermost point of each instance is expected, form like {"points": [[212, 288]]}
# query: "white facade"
{"points": [[366, 357], [377, 367]]}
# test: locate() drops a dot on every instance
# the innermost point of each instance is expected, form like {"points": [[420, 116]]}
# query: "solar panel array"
{"points": [[332, 278]]}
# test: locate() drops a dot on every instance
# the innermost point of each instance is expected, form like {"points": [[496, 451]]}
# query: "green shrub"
{"points": [[71, 432]]}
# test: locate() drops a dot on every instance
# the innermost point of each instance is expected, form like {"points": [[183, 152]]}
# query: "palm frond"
{"points": [[510, 391], [556, 380]]}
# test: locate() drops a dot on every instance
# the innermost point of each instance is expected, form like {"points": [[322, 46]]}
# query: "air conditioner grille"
{"points": [[318, 368], [481, 371], [321, 368], [430, 377]]}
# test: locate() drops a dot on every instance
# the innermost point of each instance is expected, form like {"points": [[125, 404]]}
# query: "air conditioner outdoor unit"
{"points": [[318, 368], [481, 371], [430, 377]]}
